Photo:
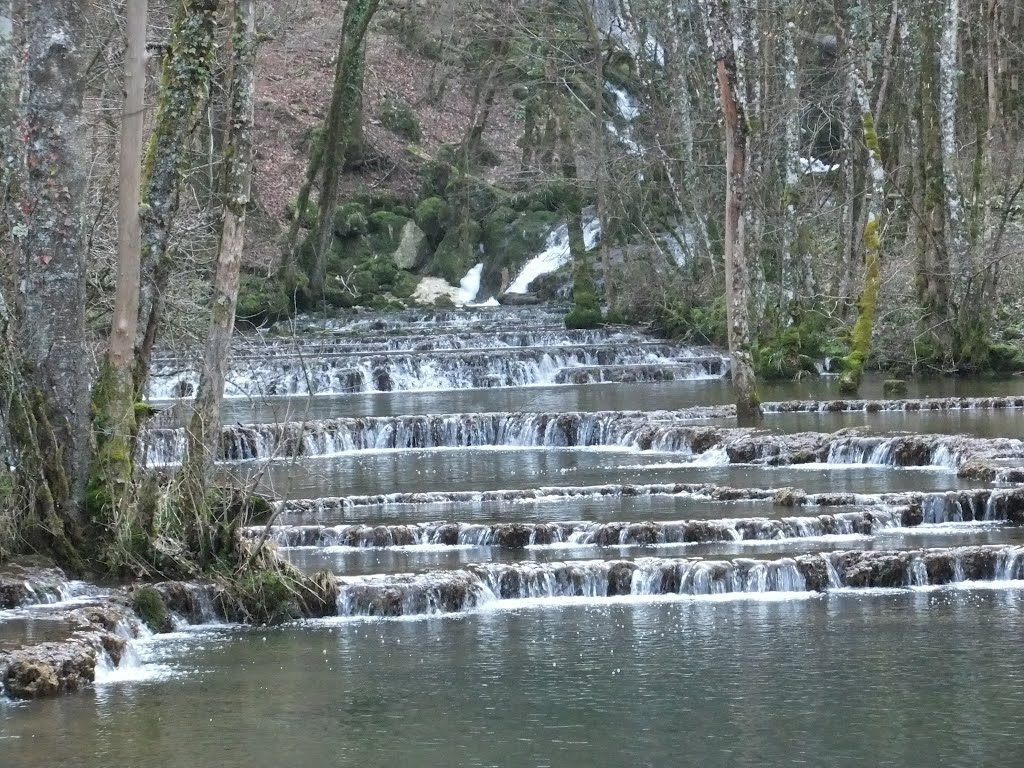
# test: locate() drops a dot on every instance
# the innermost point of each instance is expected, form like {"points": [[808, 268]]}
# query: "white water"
{"points": [[556, 253], [469, 286], [816, 167], [624, 102]]}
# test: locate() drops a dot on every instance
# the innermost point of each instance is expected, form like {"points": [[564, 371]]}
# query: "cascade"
{"points": [[556, 252], [478, 585], [583, 533], [440, 369], [664, 431]]}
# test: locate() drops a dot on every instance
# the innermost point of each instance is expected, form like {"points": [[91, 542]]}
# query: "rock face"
{"points": [[54, 668], [432, 288], [24, 586], [48, 669], [412, 247]]}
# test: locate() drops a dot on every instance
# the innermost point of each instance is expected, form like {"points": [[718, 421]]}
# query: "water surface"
{"points": [[915, 679]]}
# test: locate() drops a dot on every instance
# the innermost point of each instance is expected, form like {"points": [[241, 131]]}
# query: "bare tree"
{"points": [[204, 432], [114, 423], [737, 281], [188, 59], [45, 371]]}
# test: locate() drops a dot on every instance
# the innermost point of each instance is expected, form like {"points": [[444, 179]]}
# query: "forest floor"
{"points": [[295, 71]]}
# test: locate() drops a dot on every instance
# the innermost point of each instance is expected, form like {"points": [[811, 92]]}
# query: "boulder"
{"points": [[512, 536], [413, 248], [48, 669], [620, 578], [815, 572]]}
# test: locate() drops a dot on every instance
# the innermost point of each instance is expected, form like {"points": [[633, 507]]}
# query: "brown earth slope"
{"points": [[295, 70]]}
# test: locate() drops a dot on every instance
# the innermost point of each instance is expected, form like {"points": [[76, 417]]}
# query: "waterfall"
{"points": [[582, 533], [478, 585], [460, 368], [556, 252], [663, 431]]}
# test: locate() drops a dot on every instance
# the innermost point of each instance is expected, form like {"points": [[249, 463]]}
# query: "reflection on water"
{"points": [[604, 397], [479, 469], [916, 679]]}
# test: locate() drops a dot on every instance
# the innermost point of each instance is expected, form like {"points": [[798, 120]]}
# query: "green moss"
{"points": [[386, 231], [262, 597], [381, 199], [583, 317], [400, 118], [435, 176], [114, 426], [268, 299], [510, 240], [444, 302], [433, 216], [586, 307], [482, 198], [451, 259], [1006, 358], [309, 217], [894, 387], [149, 605], [350, 220], [405, 285], [863, 328], [794, 351]]}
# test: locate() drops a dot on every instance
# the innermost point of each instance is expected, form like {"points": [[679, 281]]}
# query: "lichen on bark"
{"points": [[188, 61]]}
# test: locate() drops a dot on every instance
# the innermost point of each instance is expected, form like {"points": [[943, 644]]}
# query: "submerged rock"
{"points": [[25, 586], [58, 667], [48, 669]]}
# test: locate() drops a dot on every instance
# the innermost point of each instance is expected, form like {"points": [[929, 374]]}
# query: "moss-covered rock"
{"points": [[263, 299], [405, 285], [452, 259], [1006, 358], [435, 176], [894, 387], [350, 220], [433, 216], [400, 118], [510, 240], [148, 604], [385, 231], [481, 197], [413, 247], [375, 199]]}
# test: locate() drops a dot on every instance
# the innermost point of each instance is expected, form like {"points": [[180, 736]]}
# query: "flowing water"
{"points": [[555, 549]]}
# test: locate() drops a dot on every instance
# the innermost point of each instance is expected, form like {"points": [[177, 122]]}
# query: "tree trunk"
{"points": [[114, 395], [600, 152], [933, 280], [720, 38], [44, 392], [204, 432], [186, 75], [345, 100], [868, 305], [791, 261], [957, 242]]}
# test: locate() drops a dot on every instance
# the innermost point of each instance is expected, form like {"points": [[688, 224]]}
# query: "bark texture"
{"points": [[204, 433], [114, 423], [737, 280], [45, 372], [346, 100], [186, 75]]}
